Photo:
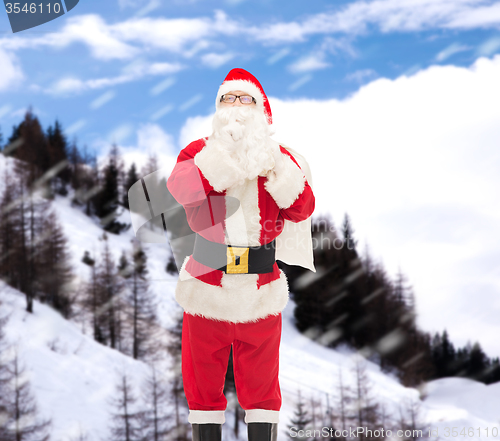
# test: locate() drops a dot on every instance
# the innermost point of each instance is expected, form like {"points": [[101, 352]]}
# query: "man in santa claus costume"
{"points": [[231, 288]]}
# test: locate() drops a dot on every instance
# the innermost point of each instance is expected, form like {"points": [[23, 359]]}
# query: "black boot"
{"points": [[207, 432], [262, 431]]}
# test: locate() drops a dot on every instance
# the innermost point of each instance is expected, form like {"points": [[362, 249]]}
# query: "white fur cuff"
{"points": [[262, 416], [238, 300], [206, 417], [217, 167], [286, 184]]}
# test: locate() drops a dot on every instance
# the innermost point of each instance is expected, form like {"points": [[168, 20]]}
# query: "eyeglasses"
{"points": [[244, 99]]}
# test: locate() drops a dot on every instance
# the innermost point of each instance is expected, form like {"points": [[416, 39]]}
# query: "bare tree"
{"points": [[177, 393], [366, 408], [156, 419], [344, 403], [23, 422], [5, 435], [126, 416], [300, 421], [410, 420]]}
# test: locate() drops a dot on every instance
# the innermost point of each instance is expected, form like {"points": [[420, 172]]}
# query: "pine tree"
{"points": [[126, 416], [106, 202], [9, 229], [478, 363], [58, 156], [54, 264], [108, 287], [131, 179], [141, 307], [91, 300], [13, 142], [85, 178], [32, 153]]}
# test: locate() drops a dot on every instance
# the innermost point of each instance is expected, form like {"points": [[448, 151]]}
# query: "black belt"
{"points": [[235, 259]]}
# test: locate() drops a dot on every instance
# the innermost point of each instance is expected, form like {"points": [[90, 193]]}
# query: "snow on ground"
{"points": [[73, 377], [74, 380]]}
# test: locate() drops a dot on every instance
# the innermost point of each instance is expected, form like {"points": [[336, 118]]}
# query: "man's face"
{"points": [[237, 102]]}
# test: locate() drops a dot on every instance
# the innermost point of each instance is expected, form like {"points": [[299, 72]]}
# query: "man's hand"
{"points": [[278, 167], [231, 133]]}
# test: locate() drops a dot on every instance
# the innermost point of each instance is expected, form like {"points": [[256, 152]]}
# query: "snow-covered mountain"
{"points": [[73, 377]]}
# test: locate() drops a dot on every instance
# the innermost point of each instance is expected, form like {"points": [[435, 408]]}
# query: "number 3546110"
{"points": [[33, 8]]}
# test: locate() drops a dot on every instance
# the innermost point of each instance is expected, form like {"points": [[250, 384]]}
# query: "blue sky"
{"points": [[394, 103], [106, 67]]}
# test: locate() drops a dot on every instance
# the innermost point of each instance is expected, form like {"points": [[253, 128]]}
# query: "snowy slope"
{"points": [[74, 380]]}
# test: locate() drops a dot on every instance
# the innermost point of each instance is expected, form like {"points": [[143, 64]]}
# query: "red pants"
{"points": [[206, 346]]}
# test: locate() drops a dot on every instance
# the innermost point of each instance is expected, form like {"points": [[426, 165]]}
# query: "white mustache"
{"points": [[232, 114]]}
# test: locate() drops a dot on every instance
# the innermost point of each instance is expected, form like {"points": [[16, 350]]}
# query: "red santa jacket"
{"points": [[200, 173]]}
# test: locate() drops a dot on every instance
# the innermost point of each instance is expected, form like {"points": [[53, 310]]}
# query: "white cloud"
{"points": [[414, 161], [162, 112], [300, 82], [151, 139], [66, 86], [184, 36], [278, 56], [388, 16], [195, 128], [162, 86], [489, 47], [361, 75], [309, 63], [481, 16], [138, 69], [214, 60], [452, 49], [11, 74], [102, 99], [4, 110]]}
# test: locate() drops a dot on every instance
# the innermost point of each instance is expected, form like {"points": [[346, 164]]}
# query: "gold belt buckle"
{"points": [[237, 260]]}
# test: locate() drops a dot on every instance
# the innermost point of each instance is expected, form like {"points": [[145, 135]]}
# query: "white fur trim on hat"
{"points": [[286, 185], [245, 86], [206, 417], [238, 300], [262, 416]]}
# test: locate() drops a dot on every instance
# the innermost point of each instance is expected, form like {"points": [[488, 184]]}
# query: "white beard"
{"points": [[244, 134]]}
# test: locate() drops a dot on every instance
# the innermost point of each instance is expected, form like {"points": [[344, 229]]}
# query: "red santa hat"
{"points": [[240, 79]]}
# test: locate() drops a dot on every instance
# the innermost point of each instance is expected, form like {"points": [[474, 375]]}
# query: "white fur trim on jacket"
{"points": [[286, 183], [206, 417], [245, 86], [238, 300], [262, 416], [217, 167], [243, 227]]}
